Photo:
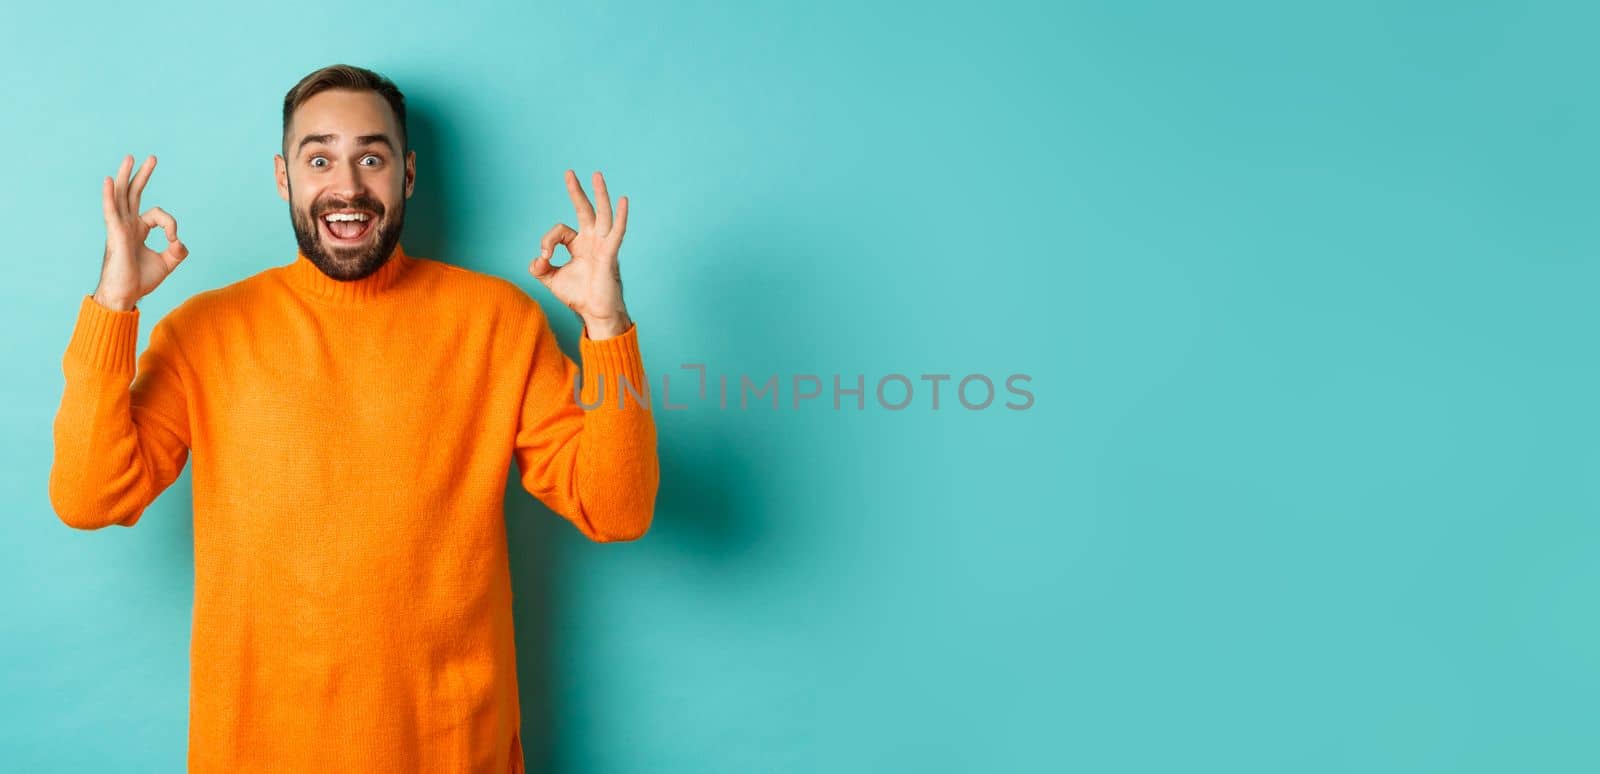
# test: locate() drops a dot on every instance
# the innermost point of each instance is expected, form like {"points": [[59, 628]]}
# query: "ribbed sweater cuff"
{"points": [[614, 359], [105, 339]]}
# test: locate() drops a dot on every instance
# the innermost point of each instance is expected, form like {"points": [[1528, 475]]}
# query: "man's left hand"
{"points": [[590, 284]]}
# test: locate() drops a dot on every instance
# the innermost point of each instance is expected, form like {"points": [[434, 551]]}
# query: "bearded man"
{"points": [[353, 416]]}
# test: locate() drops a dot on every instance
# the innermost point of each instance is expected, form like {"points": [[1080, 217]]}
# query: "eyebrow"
{"points": [[365, 139]]}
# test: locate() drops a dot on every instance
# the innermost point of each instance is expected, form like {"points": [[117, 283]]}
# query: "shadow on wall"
{"points": [[428, 215], [709, 509], [170, 521]]}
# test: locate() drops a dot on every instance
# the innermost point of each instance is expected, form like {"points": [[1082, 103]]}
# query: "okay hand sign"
{"points": [[591, 282], [130, 269]]}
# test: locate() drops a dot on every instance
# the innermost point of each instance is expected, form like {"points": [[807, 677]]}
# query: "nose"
{"points": [[347, 182]]}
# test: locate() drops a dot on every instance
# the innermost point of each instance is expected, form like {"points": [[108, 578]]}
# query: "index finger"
{"points": [[580, 201]]}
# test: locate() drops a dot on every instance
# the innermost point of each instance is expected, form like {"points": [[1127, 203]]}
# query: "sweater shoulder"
{"points": [[205, 307], [455, 284]]}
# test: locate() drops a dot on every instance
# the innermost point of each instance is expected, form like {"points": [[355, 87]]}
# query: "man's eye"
{"points": [[319, 162], [374, 159]]}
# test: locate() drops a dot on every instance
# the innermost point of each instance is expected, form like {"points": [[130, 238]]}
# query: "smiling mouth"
{"points": [[346, 227]]}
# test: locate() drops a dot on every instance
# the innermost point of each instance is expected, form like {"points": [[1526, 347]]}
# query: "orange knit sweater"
{"points": [[351, 442]]}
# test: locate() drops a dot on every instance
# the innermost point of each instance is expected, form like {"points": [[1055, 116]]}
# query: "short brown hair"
{"points": [[343, 76]]}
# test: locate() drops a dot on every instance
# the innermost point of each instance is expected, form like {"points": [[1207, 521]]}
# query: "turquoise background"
{"points": [[1305, 294]]}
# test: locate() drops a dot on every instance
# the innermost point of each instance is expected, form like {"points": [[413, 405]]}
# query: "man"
{"points": [[353, 416]]}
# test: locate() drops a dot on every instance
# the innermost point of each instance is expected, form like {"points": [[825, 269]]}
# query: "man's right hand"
{"points": [[131, 270]]}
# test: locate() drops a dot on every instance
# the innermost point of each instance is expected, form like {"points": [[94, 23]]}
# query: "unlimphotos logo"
{"points": [[894, 392]]}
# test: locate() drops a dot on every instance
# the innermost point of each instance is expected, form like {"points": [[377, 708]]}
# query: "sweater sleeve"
{"points": [[593, 462], [117, 444]]}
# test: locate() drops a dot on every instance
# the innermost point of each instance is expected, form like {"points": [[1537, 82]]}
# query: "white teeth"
{"points": [[362, 216]]}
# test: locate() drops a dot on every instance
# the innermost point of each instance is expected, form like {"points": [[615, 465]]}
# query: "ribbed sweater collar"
{"points": [[304, 276]]}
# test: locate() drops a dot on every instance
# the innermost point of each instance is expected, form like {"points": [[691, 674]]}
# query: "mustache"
{"points": [[358, 203]]}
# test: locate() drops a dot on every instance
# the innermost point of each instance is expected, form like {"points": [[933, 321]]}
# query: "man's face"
{"points": [[342, 161]]}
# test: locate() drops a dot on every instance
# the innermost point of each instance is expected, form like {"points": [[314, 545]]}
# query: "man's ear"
{"points": [[280, 170], [411, 172]]}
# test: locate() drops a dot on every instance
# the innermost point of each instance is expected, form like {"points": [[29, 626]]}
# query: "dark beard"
{"points": [[347, 264]]}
